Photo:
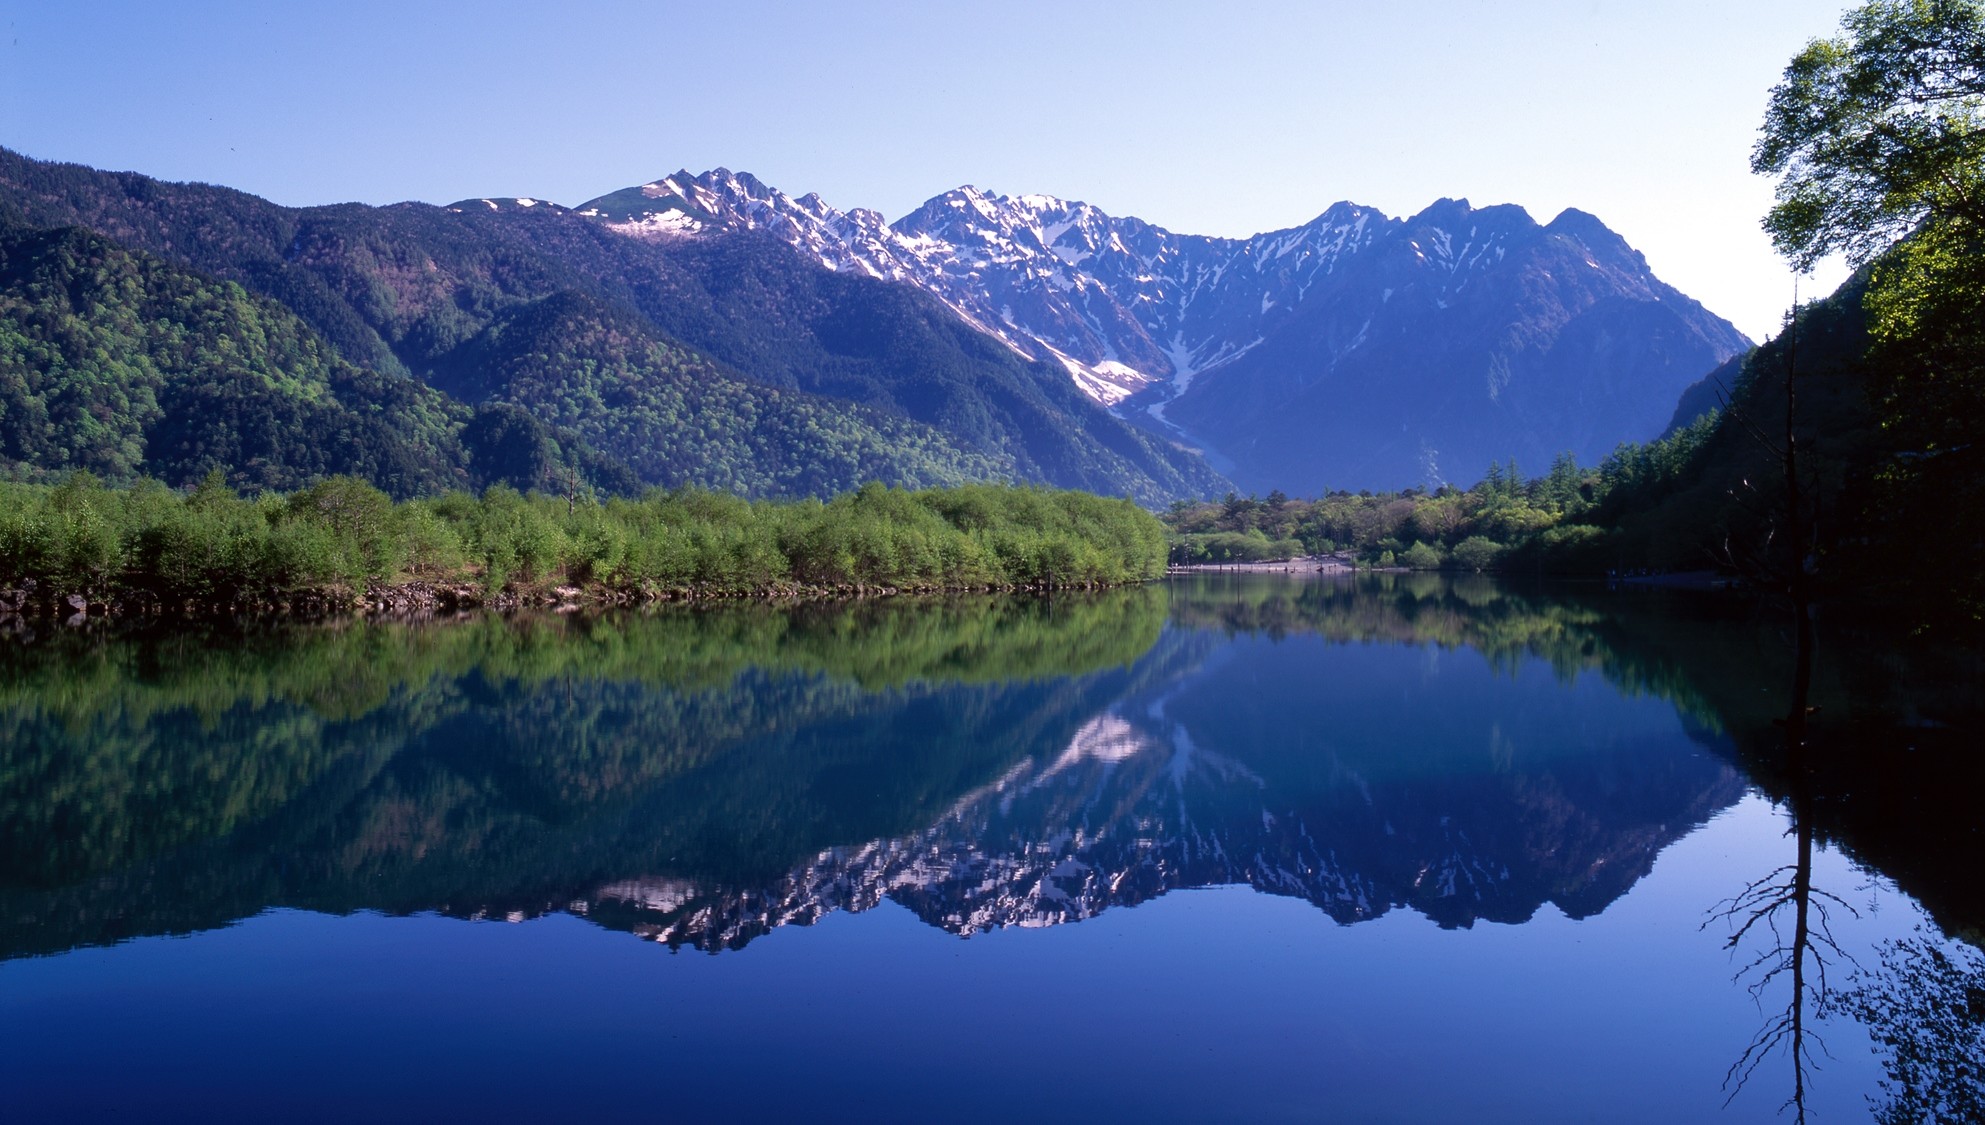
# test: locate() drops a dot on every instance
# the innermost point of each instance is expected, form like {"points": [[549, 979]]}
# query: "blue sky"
{"points": [[1205, 118]]}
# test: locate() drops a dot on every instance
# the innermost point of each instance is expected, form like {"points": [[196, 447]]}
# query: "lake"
{"points": [[1248, 848]]}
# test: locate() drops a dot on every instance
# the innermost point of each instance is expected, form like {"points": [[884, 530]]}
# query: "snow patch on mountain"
{"points": [[660, 224]]}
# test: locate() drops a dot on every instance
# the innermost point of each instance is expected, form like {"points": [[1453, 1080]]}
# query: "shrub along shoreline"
{"points": [[342, 546]]}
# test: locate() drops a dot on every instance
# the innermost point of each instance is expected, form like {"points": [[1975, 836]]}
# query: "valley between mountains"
{"points": [[710, 330]]}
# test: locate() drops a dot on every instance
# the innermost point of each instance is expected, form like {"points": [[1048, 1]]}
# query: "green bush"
{"points": [[1420, 556], [1477, 553]]}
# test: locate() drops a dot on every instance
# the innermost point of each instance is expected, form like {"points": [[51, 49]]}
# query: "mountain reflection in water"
{"points": [[1418, 746], [1484, 804], [702, 777]]}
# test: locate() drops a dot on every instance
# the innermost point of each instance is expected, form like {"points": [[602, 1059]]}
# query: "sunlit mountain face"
{"points": [[1357, 349]]}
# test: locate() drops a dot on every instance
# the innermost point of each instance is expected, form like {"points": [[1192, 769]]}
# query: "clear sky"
{"points": [[1212, 118]]}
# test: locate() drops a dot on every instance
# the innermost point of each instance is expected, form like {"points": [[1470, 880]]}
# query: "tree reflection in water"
{"points": [[1924, 1004], [1780, 921], [1802, 947], [1926, 1009]]}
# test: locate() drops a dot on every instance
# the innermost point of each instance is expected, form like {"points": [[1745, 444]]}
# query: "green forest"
{"points": [[673, 416], [118, 364], [83, 547], [115, 362]]}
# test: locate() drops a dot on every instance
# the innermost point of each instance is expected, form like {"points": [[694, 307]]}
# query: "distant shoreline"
{"points": [[1310, 564], [1680, 580]]}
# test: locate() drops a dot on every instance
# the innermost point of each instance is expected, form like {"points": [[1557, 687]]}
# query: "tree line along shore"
{"points": [[341, 545], [1568, 521]]}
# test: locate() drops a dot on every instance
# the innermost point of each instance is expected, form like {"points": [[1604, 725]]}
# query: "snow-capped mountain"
{"points": [[1457, 311], [1122, 304], [1354, 351]]}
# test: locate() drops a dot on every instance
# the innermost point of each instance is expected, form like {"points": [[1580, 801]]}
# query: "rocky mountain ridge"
{"points": [[1508, 337], [1121, 303]]}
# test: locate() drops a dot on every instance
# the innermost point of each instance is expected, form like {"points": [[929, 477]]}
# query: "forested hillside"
{"points": [[119, 364], [1504, 521], [1848, 464], [403, 289], [751, 302], [674, 417]]}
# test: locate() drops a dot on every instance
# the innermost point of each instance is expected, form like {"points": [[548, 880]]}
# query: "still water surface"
{"points": [[1226, 849]]}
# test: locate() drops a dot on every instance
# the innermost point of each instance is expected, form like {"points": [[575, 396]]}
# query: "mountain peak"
{"points": [[1038, 202], [1594, 235], [1450, 214], [1579, 224]]}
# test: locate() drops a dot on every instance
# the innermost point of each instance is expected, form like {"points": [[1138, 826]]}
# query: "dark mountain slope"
{"points": [[894, 347], [1463, 337], [1706, 394]]}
